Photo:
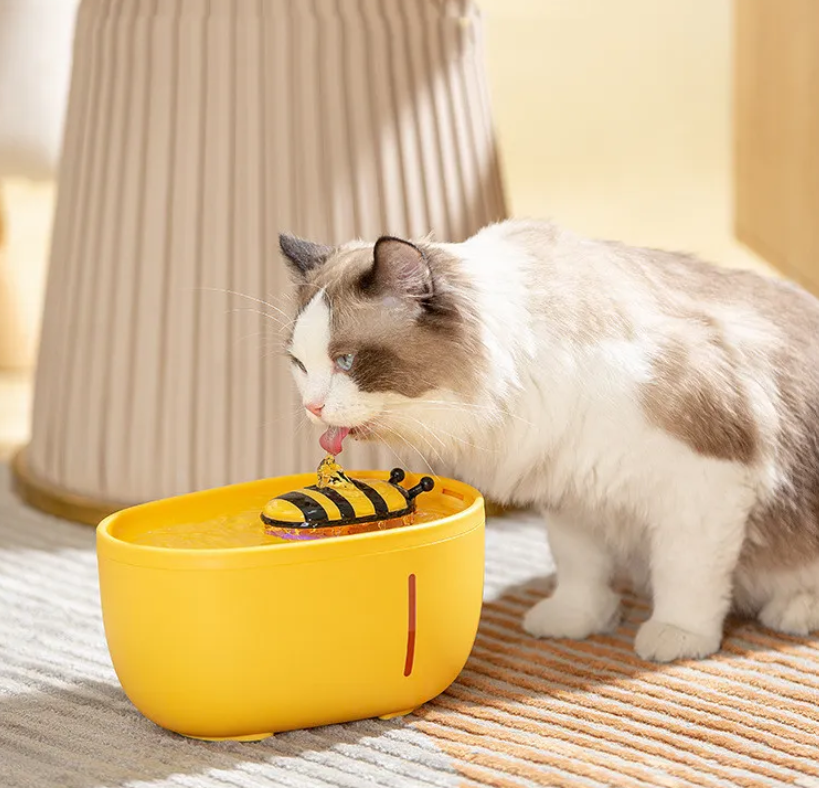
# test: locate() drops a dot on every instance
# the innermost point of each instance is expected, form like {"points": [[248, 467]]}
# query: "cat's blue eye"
{"points": [[345, 362]]}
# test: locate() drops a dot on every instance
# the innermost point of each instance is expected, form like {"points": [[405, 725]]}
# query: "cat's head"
{"points": [[386, 339]]}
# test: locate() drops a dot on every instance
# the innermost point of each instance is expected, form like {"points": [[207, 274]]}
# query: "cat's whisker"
{"points": [[437, 429], [275, 350], [381, 425], [432, 449], [266, 341], [284, 314], [466, 406], [424, 427], [384, 443], [288, 298], [255, 310], [272, 344], [394, 453], [491, 415], [272, 318], [411, 446]]}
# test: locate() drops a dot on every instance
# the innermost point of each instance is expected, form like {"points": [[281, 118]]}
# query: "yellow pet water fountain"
{"points": [[242, 611]]}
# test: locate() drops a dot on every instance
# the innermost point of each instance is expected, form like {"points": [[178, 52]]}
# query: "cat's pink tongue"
{"points": [[332, 440]]}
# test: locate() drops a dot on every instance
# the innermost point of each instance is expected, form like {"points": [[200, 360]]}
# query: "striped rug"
{"points": [[592, 713], [523, 712]]}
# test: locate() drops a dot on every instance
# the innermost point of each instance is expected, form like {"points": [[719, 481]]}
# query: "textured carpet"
{"points": [[523, 713]]}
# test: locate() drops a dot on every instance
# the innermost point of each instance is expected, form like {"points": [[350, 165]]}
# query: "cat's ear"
{"points": [[400, 267], [303, 256]]}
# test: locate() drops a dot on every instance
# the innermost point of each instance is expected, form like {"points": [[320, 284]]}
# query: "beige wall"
{"points": [[615, 117], [27, 208]]}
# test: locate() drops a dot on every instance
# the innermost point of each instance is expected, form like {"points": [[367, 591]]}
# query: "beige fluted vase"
{"points": [[197, 130]]}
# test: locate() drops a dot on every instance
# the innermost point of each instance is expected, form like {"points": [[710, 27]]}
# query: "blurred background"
{"points": [[615, 118]]}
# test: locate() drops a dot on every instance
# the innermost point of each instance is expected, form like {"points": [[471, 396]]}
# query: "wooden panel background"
{"points": [[777, 133]]}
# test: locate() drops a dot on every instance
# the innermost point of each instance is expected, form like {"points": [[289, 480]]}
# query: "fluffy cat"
{"points": [[661, 412]]}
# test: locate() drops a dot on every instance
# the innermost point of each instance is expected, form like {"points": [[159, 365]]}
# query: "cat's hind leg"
{"points": [[795, 614], [695, 541], [583, 602], [790, 602]]}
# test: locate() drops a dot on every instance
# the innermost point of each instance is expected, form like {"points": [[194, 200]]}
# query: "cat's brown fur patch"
{"points": [[400, 345], [701, 402]]}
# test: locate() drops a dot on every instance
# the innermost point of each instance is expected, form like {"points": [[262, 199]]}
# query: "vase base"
{"points": [[52, 499]]}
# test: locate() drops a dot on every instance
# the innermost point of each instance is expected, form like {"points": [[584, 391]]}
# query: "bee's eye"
{"points": [[345, 362], [298, 364]]}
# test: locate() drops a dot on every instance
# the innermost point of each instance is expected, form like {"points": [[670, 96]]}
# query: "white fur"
{"points": [[559, 425], [345, 405]]}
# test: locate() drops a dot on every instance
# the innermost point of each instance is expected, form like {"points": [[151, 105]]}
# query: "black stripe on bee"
{"points": [[345, 508], [312, 510], [379, 504]]}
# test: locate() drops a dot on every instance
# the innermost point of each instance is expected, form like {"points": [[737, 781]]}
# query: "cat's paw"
{"points": [[794, 615], [573, 615], [661, 642]]}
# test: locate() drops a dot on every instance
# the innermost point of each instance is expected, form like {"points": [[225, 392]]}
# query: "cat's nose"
{"points": [[315, 408]]}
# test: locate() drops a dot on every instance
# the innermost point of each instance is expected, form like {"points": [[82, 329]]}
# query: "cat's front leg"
{"points": [[693, 552], [583, 602]]}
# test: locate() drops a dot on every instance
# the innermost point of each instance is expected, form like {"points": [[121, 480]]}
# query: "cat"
{"points": [[662, 412]]}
